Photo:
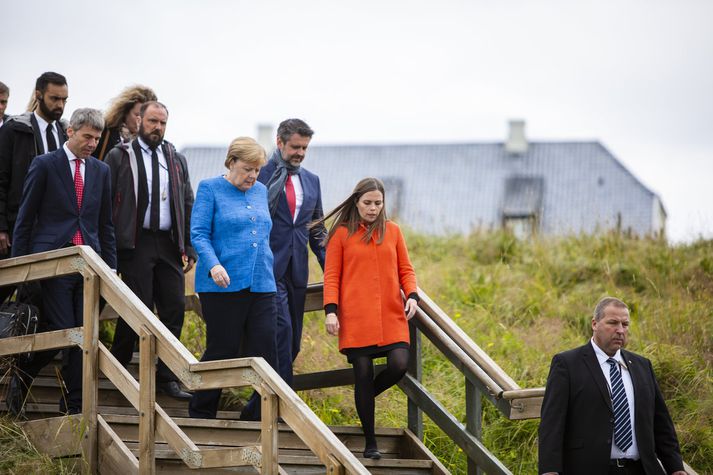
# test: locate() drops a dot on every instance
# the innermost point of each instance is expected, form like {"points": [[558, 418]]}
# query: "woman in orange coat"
{"points": [[366, 267]]}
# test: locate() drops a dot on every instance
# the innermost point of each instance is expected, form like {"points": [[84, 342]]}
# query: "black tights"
{"points": [[366, 387]]}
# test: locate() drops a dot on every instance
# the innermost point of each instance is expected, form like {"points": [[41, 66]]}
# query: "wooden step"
{"points": [[402, 452]]}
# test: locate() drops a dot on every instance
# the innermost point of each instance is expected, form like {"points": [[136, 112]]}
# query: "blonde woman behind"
{"points": [[123, 118]]}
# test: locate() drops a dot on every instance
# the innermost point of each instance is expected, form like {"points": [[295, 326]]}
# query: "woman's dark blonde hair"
{"points": [[347, 214], [245, 149], [124, 102]]}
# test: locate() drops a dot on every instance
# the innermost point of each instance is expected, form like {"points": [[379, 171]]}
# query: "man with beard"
{"points": [[66, 202], [152, 202], [295, 200], [22, 138]]}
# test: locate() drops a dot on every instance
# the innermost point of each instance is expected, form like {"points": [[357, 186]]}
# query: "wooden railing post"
{"points": [[415, 369], [270, 406], [147, 402], [473, 419], [90, 368]]}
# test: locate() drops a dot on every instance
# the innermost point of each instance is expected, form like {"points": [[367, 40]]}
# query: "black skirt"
{"points": [[374, 351]]}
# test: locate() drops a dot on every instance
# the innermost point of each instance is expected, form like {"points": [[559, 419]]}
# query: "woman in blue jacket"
{"points": [[230, 231]]}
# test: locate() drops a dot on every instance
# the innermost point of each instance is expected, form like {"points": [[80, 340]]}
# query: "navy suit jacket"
{"points": [[48, 216], [577, 420], [289, 240]]}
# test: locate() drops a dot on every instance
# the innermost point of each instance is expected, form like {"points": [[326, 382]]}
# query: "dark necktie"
{"points": [[51, 142], [155, 192], [622, 419], [77, 239], [290, 194]]}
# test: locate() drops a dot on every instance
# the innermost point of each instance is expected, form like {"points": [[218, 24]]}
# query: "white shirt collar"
{"points": [[69, 153], [603, 357], [145, 147], [42, 122]]}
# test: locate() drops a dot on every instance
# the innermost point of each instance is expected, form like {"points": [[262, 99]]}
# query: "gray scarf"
{"points": [[278, 179]]}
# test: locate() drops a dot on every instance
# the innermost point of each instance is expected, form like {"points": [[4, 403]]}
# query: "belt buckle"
{"points": [[620, 463]]}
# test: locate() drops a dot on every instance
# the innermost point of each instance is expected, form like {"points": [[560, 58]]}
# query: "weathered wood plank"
{"points": [[118, 375], [528, 408], [90, 368], [56, 436], [147, 402], [270, 407], [42, 341], [114, 457], [305, 423], [452, 427]]}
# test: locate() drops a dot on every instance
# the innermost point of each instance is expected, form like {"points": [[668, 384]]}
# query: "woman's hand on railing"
{"points": [[220, 276], [410, 308], [332, 324]]}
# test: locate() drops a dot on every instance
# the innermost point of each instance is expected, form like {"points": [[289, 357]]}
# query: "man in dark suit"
{"points": [[22, 138], [66, 201], [153, 199], [603, 412], [295, 200]]}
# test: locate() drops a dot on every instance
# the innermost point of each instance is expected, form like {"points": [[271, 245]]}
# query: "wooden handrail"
{"points": [[99, 280]]}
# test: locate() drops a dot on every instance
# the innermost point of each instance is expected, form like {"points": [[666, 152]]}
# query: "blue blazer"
{"points": [[48, 216], [289, 240]]}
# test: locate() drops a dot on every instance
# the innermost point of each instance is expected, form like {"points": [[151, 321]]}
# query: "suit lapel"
{"points": [[592, 363], [91, 175], [61, 164]]}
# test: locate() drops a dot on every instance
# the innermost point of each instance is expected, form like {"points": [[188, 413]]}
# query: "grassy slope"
{"points": [[523, 302]]}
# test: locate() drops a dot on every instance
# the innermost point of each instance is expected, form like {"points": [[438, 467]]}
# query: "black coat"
{"points": [[577, 420], [129, 192], [19, 144]]}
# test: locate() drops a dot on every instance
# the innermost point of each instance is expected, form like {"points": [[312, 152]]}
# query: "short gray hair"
{"points": [[86, 116], [606, 302]]}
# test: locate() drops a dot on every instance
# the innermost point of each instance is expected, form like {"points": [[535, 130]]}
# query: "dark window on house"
{"points": [[522, 205]]}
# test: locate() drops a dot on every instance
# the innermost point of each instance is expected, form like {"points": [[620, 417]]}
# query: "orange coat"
{"points": [[364, 280]]}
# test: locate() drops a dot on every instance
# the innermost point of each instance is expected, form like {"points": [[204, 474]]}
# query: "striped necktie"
{"points": [[622, 419]]}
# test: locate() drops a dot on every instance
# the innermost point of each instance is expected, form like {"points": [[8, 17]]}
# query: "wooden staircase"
{"points": [[126, 428], [403, 453]]}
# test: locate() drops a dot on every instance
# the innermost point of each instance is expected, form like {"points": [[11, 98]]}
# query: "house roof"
{"points": [[458, 187]]}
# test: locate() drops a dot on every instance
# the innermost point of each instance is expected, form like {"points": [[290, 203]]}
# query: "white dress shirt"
{"points": [[73, 163], [42, 123], [299, 195], [164, 222], [633, 451]]}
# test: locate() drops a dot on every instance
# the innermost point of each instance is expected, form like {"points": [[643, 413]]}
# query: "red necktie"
{"points": [[77, 239], [291, 198]]}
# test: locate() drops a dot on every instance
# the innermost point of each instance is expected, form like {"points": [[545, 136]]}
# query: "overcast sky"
{"points": [[635, 75]]}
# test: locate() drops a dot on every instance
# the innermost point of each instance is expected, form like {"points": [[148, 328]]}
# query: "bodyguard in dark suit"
{"points": [[295, 200], [22, 138], [152, 203], [66, 201], [603, 412]]}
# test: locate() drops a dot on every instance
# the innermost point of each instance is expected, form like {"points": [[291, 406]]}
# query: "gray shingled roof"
{"points": [[456, 188]]}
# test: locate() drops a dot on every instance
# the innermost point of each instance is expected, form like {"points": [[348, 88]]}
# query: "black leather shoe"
{"points": [[372, 453], [15, 399], [172, 389]]}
